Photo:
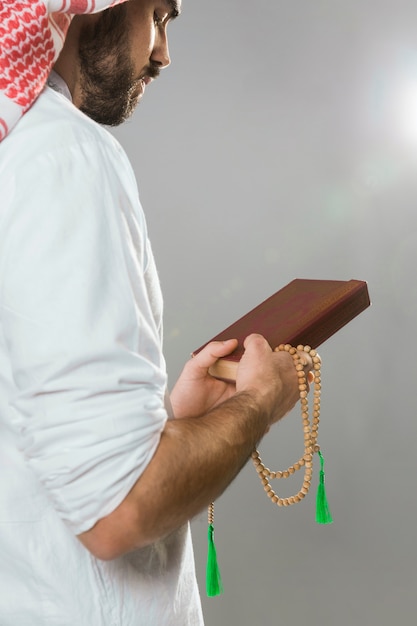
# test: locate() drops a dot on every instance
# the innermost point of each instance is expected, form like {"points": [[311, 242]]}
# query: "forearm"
{"points": [[193, 464], [198, 457]]}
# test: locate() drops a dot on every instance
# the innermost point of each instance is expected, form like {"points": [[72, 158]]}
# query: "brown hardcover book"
{"points": [[303, 312]]}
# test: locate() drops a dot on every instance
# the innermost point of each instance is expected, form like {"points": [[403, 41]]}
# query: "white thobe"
{"points": [[82, 380]]}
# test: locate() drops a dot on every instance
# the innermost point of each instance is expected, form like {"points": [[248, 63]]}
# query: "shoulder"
{"points": [[53, 122], [55, 131], [57, 151]]}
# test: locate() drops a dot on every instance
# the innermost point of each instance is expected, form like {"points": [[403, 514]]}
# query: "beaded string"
{"points": [[310, 430], [214, 584]]}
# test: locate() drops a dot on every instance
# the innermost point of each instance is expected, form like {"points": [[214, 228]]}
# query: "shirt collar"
{"points": [[58, 84]]}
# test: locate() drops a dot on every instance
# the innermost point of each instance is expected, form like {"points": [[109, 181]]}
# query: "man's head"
{"points": [[109, 58]]}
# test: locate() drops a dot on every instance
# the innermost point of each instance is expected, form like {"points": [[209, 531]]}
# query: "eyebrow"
{"points": [[174, 5]]}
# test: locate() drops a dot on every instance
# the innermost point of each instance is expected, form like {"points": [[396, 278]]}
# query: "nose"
{"points": [[160, 53]]}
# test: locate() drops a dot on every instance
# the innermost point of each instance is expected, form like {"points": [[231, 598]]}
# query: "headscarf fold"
{"points": [[32, 33]]}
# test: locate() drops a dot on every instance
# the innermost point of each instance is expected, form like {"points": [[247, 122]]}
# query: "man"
{"points": [[101, 472]]}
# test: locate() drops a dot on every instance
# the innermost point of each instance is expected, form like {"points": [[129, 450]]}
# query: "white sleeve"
{"points": [[78, 293]]}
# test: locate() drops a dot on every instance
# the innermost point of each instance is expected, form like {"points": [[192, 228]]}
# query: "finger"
{"points": [[307, 363], [255, 341], [213, 351]]}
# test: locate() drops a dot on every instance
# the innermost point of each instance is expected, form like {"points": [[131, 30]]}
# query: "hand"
{"points": [[270, 376], [196, 392]]}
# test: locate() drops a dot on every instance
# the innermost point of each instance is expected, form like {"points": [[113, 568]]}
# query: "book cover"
{"points": [[304, 312]]}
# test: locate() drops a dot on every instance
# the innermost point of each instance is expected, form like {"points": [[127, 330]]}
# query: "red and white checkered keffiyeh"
{"points": [[32, 33]]}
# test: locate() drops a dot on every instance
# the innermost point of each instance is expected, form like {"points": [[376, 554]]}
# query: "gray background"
{"points": [[282, 143]]}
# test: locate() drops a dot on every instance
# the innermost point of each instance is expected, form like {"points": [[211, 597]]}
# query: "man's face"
{"points": [[120, 53]]}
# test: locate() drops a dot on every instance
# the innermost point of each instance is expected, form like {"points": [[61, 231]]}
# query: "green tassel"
{"points": [[323, 515], [214, 585]]}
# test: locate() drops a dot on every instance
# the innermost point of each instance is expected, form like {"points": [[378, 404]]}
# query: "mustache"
{"points": [[152, 71]]}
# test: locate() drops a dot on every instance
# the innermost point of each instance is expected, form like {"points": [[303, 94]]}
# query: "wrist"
{"points": [[251, 410]]}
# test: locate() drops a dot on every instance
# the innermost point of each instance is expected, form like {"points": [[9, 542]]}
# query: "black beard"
{"points": [[109, 89]]}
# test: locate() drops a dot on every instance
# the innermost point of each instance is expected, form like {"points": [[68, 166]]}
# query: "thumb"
{"points": [[213, 351], [256, 343]]}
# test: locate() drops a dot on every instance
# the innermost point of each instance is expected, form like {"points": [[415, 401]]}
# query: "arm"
{"points": [[198, 458], [88, 407]]}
